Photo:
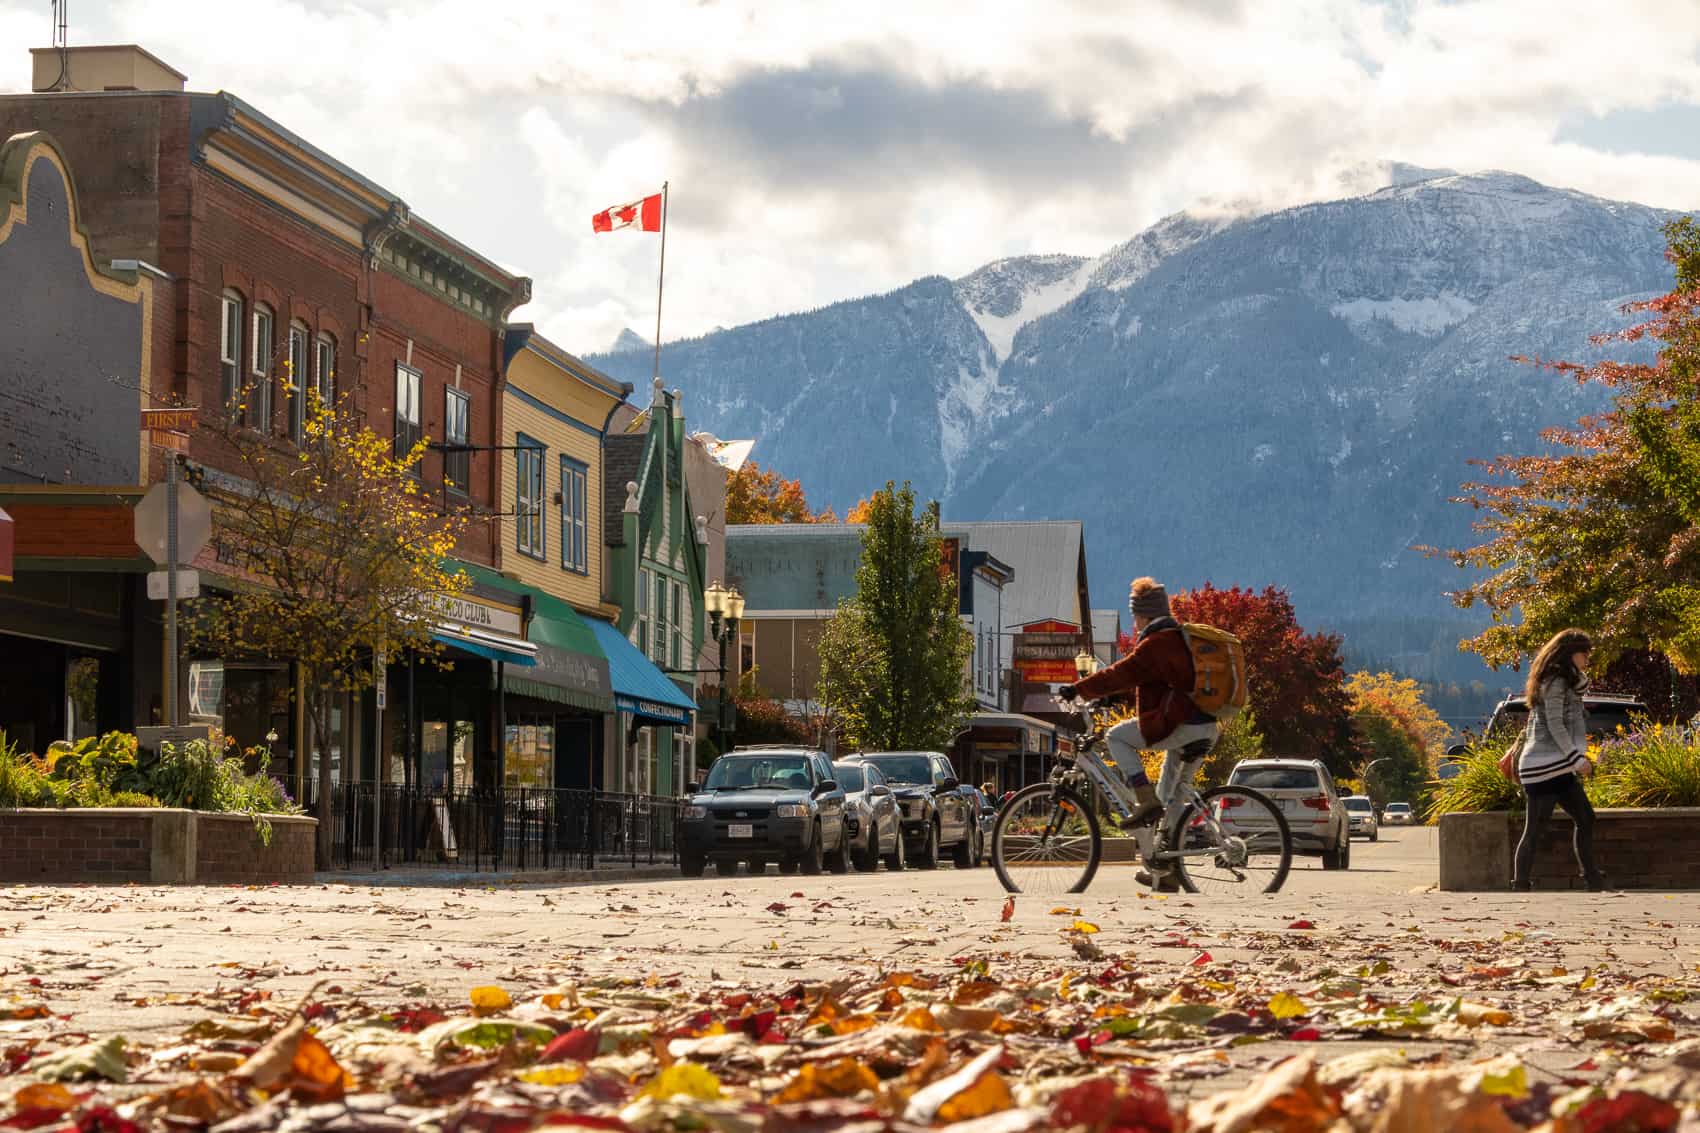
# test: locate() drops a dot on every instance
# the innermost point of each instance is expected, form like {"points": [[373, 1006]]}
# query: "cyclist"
{"points": [[1158, 673]]}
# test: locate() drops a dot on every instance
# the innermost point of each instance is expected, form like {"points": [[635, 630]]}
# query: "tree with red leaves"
{"points": [[1297, 679]]}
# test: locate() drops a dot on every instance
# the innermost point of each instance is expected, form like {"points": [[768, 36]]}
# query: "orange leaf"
{"points": [[317, 1075], [989, 1094], [920, 1019], [843, 1078], [49, 1096], [1008, 908]]}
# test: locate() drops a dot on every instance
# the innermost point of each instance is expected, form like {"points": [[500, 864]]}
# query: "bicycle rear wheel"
{"points": [[1046, 840], [1231, 841]]}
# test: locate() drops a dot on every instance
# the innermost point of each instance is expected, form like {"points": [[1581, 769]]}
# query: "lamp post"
{"points": [[1085, 664], [725, 608]]}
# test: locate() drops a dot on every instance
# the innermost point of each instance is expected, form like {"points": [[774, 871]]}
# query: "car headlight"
{"points": [[696, 812], [792, 810]]}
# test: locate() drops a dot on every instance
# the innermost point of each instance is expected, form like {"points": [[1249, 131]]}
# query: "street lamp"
{"points": [[725, 608], [1085, 664]]}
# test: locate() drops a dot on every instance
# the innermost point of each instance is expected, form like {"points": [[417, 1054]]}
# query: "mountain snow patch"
{"points": [[1429, 317], [1037, 301], [966, 406]]}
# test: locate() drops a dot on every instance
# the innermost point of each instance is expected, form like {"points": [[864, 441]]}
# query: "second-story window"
{"points": [[528, 496], [575, 552], [457, 430], [407, 383], [260, 395], [296, 381], [658, 640], [678, 625], [324, 370], [642, 641], [230, 349]]}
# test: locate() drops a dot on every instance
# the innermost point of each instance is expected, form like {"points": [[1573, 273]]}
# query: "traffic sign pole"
{"points": [[171, 589]]}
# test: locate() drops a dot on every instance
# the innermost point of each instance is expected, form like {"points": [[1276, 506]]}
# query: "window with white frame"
{"points": [[230, 348], [658, 640], [324, 370], [295, 382], [457, 430], [678, 625], [408, 383], [575, 551], [642, 641], [528, 496], [260, 361]]}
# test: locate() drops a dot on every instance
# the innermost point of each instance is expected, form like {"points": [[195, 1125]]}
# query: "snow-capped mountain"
{"points": [[628, 340], [1283, 398]]}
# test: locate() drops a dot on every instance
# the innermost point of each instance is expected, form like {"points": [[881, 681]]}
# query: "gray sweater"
{"points": [[1557, 737]]}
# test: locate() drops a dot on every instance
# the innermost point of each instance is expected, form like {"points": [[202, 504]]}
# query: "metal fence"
{"points": [[496, 829]]}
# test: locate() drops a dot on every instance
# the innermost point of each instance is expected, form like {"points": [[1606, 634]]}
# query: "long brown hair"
{"points": [[1554, 661]]}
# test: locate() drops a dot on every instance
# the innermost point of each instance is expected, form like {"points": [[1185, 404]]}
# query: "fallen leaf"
{"points": [[1008, 908], [1286, 1005], [1288, 1099], [1086, 927], [490, 1000], [685, 1079], [88, 1060], [576, 1045], [842, 1078], [1475, 1014], [315, 1074], [925, 1105]]}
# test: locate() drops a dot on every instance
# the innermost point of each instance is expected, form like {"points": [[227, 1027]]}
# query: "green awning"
{"points": [[571, 667]]}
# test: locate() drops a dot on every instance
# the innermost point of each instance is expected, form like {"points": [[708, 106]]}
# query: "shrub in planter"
{"points": [[1478, 786], [1656, 767]]}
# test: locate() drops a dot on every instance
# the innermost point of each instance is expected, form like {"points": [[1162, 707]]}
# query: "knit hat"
{"points": [[1150, 602]]}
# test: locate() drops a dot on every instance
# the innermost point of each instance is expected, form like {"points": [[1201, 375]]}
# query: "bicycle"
{"points": [[1047, 838]]}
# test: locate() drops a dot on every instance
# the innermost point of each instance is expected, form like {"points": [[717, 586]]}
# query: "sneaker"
{"points": [[1164, 881]]}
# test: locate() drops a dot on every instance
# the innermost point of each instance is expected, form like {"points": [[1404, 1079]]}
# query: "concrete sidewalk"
{"points": [[433, 877]]}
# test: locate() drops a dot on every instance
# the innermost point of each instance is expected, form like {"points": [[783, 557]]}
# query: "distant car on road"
{"points": [[871, 820], [937, 812], [765, 804], [1305, 792], [1398, 814], [1360, 817]]}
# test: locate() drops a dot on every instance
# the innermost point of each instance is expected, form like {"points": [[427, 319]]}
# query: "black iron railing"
{"points": [[495, 829]]}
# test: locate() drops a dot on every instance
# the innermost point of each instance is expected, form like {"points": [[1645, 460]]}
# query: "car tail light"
{"points": [[1229, 801], [1320, 802]]}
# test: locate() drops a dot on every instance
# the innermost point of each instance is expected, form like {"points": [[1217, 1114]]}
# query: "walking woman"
{"points": [[1554, 758]]}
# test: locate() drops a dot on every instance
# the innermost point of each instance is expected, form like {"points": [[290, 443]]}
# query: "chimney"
{"points": [[108, 68]]}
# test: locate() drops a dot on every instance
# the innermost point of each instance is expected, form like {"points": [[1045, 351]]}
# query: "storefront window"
{"points": [[82, 688], [445, 755], [530, 760], [247, 701]]}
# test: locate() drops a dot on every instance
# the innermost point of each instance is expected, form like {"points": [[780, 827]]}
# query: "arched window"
{"points": [[324, 370], [295, 381], [230, 348], [260, 381]]}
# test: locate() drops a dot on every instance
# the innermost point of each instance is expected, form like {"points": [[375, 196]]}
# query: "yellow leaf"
{"points": [[560, 1074], [1286, 1005], [554, 1000], [1064, 911], [1514, 1083], [489, 1000], [1474, 1014], [684, 1079], [920, 1019], [1587, 983], [1063, 989], [989, 1094], [1084, 926]]}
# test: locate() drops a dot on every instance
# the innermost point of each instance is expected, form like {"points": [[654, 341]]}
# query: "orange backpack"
{"points": [[1218, 668]]}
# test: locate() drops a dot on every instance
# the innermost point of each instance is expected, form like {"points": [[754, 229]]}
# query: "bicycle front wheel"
{"points": [[1231, 841], [1046, 840]]}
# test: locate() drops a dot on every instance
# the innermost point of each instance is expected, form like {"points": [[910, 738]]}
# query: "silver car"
{"points": [[1398, 814], [1304, 790], [872, 823], [1360, 814]]}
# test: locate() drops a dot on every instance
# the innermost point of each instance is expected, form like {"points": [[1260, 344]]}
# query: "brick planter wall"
{"points": [[1635, 848], [151, 846]]}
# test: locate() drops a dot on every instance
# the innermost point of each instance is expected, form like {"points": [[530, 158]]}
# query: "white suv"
{"points": [[1360, 814], [1304, 790]]}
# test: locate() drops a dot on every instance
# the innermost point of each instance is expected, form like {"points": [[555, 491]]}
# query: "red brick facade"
{"points": [[148, 193]]}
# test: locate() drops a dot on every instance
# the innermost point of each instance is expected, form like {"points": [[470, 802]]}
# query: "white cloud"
{"points": [[1083, 122]]}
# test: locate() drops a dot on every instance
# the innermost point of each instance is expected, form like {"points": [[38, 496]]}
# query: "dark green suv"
{"points": [[761, 805]]}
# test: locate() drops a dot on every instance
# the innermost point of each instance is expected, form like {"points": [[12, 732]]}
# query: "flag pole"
{"points": [[660, 279]]}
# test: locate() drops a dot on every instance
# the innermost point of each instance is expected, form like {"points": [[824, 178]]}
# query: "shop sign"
{"points": [[565, 669], [652, 708], [1044, 652], [479, 615]]}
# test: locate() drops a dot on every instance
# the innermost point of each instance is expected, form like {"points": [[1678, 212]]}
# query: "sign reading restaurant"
{"points": [[1044, 652]]}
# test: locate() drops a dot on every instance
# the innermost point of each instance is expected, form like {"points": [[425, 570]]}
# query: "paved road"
{"points": [[139, 960]]}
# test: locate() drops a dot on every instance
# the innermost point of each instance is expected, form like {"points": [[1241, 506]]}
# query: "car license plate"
{"points": [[740, 830]]}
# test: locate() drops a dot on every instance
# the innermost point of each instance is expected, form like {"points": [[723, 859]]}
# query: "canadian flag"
{"points": [[644, 214]]}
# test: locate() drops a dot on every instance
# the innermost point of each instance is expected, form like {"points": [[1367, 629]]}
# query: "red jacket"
{"points": [[1159, 673]]}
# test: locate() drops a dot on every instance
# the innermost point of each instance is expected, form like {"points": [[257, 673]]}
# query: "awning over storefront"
{"points": [[493, 646], [639, 687], [1009, 733], [567, 664]]}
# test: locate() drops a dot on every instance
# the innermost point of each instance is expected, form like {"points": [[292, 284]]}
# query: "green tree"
{"points": [[1605, 533], [1397, 727], [894, 657]]}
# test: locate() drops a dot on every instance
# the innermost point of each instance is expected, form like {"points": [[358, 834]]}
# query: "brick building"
{"points": [[270, 257]]}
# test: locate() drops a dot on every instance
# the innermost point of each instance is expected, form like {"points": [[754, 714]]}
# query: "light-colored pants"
{"points": [[1127, 741]]}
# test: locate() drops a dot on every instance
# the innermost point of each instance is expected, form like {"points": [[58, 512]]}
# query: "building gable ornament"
{"points": [[379, 231]]}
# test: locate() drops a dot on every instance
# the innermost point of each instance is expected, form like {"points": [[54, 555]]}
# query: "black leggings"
{"points": [[1567, 792]]}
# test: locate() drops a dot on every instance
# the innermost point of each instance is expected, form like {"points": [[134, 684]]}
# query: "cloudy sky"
{"points": [[820, 151]]}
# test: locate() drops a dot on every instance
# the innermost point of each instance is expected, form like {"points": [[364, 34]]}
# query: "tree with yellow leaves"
{"points": [[341, 553], [1396, 725], [760, 495]]}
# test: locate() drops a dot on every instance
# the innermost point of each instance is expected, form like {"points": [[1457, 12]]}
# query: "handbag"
{"points": [[1508, 761]]}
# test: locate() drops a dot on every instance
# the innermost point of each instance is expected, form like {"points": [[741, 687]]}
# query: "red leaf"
{"points": [[1301, 924], [1629, 1112], [577, 1045], [777, 907], [1008, 908], [1305, 1035], [1202, 959]]}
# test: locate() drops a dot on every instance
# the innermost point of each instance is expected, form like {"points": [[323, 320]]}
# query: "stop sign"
{"points": [[194, 523]]}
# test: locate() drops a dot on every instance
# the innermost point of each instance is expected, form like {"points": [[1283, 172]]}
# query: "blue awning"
{"points": [[489, 646], [639, 687]]}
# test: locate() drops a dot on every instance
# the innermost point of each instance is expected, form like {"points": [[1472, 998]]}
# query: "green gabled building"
{"points": [[656, 555]]}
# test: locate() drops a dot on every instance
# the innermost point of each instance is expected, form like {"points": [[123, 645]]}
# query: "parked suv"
{"points": [[1604, 712], [765, 804], [937, 811], [1360, 817], [1304, 790], [870, 816]]}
